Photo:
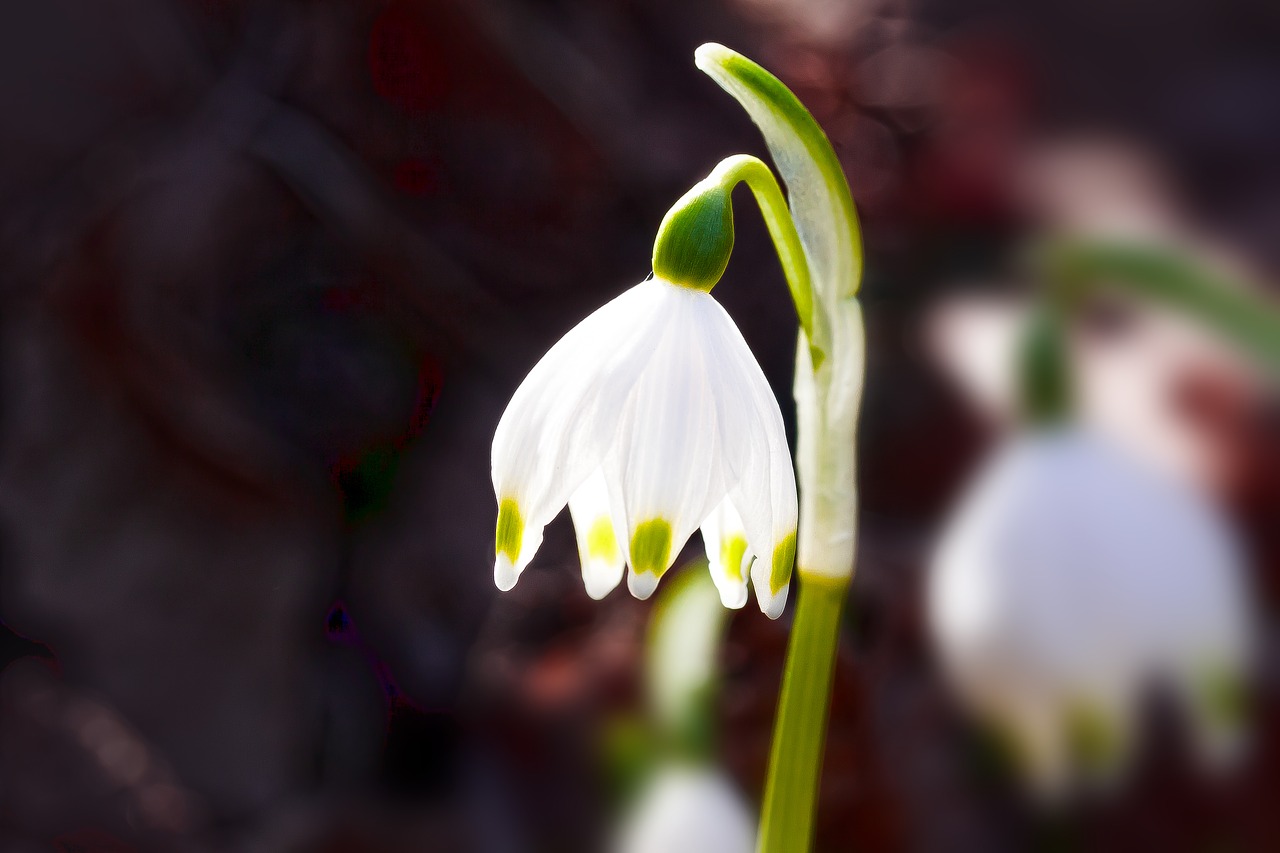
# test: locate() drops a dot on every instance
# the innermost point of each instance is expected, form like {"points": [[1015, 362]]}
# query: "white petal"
{"points": [[771, 597], [1072, 571], [687, 809], [598, 543], [756, 459], [562, 420], [667, 465], [642, 584], [728, 553]]}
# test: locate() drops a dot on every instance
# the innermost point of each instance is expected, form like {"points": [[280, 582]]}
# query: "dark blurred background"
{"points": [[270, 270]]}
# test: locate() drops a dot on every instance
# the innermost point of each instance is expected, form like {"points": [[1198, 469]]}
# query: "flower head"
{"points": [[651, 418], [1071, 580]]}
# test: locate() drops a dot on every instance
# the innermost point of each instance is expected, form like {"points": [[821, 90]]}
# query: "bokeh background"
{"points": [[270, 270]]}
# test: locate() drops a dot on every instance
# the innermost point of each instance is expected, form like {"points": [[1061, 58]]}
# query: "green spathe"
{"points": [[824, 214], [696, 238]]}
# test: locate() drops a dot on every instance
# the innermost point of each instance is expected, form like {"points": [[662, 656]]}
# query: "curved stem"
{"points": [[1167, 278], [743, 168], [795, 761]]}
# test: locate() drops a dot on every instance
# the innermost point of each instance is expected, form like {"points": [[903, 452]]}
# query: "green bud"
{"points": [[696, 238]]}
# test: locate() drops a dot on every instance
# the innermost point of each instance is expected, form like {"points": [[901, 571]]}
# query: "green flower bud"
{"points": [[696, 238]]}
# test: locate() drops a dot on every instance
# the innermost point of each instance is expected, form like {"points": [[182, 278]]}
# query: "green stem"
{"points": [[795, 762], [743, 168]]}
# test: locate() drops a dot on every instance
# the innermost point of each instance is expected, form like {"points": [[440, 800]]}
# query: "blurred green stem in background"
{"points": [[1072, 270], [1045, 385], [682, 647], [830, 363]]}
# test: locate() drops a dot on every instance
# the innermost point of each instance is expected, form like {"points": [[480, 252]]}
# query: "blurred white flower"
{"points": [[1071, 581], [650, 418], [688, 809]]}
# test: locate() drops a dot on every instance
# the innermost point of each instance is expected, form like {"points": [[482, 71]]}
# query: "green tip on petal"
{"points": [[784, 558], [602, 544], [651, 546], [731, 550], [696, 238], [510, 530]]}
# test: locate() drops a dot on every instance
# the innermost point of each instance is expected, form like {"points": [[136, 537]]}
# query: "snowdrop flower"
{"points": [[650, 419], [688, 809], [1071, 580]]}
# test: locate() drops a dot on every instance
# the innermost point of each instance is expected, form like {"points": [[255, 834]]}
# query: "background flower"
{"points": [[1070, 581]]}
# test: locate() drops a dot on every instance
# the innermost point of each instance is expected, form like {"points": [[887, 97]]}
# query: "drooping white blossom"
{"points": [[1070, 582], [650, 419], [688, 809]]}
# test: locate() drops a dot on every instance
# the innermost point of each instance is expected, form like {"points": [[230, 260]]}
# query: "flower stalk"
{"points": [[795, 759]]}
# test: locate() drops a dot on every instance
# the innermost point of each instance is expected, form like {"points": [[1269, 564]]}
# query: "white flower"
{"points": [[1073, 579], [650, 418], [688, 809]]}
